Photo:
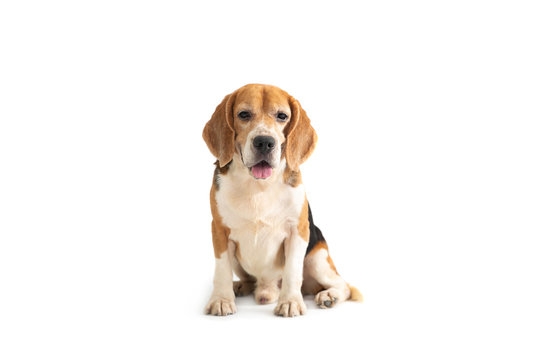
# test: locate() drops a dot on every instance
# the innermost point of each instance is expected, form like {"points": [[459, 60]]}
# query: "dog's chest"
{"points": [[259, 221]]}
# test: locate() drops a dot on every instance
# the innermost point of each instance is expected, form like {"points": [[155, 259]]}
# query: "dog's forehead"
{"points": [[261, 97]]}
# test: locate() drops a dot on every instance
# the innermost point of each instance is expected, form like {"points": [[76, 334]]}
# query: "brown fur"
{"points": [[293, 178], [301, 138], [220, 233], [280, 257], [331, 263], [219, 133], [303, 223], [223, 132], [219, 171], [318, 246], [356, 295]]}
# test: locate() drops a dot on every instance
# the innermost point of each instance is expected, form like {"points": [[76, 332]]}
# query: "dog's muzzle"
{"points": [[263, 146]]}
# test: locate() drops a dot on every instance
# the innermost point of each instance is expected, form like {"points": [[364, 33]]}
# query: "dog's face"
{"points": [[260, 115], [263, 125]]}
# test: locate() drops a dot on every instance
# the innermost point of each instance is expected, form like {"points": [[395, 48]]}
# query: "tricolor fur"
{"points": [[262, 226]]}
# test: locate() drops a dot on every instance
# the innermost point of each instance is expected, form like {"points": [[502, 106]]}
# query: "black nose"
{"points": [[264, 144]]}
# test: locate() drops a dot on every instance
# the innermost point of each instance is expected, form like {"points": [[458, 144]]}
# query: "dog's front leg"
{"points": [[222, 300], [290, 302]]}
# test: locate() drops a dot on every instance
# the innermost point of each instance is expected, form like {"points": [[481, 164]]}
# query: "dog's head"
{"points": [[262, 124]]}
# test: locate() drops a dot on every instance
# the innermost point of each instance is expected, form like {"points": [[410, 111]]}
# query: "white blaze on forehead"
{"points": [[261, 129]]}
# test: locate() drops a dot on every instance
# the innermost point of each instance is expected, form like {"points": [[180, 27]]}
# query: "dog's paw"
{"points": [[291, 306], [243, 288], [327, 298], [220, 307]]}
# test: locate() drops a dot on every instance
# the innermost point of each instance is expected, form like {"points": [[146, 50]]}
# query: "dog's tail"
{"points": [[356, 295]]}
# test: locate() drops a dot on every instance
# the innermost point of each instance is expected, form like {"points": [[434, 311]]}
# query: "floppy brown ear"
{"points": [[219, 132], [301, 137]]}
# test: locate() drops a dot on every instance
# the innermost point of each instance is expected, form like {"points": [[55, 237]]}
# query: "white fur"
{"points": [[319, 272], [261, 214], [222, 300]]}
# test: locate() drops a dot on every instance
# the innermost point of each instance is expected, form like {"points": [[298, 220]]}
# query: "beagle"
{"points": [[262, 227]]}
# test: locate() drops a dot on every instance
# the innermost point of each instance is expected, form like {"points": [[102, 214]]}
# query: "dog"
{"points": [[262, 227]]}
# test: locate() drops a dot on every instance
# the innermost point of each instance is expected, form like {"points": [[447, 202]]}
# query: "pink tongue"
{"points": [[262, 170]]}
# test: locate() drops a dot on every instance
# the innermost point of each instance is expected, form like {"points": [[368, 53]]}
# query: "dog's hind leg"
{"points": [[320, 275], [322, 279]]}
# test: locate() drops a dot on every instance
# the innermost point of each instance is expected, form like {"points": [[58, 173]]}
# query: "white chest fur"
{"points": [[260, 215]]}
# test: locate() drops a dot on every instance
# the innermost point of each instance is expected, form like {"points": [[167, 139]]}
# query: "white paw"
{"points": [[328, 298], [220, 307], [290, 306]]}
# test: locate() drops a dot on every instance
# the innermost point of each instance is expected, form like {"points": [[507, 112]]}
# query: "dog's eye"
{"points": [[282, 116], [244, 115]]}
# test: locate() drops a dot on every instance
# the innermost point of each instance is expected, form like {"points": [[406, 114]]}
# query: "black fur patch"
{"points": [[315, 234]]}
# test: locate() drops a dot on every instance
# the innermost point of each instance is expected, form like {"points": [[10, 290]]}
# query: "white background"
{"points": [[425, 180]]}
